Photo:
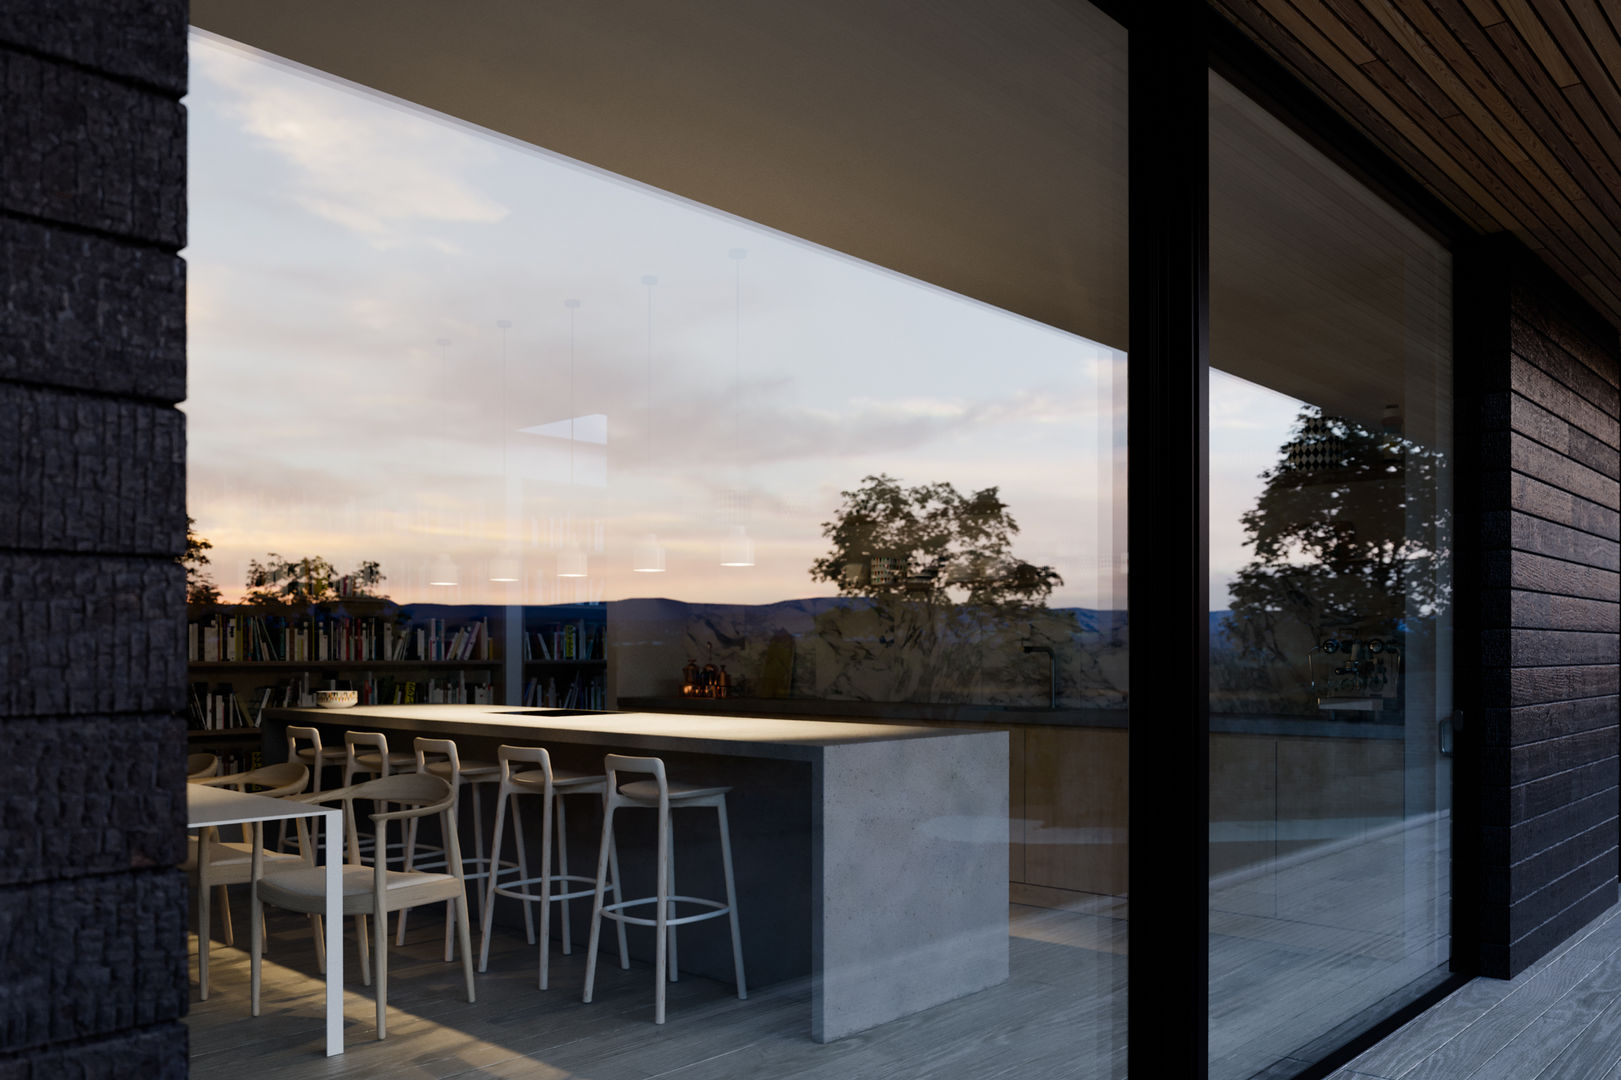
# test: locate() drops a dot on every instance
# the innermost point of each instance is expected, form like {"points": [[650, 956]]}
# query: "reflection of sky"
{"points": [[1249, 424], [337, 237]]}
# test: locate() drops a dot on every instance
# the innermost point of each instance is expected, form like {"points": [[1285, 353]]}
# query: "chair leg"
{"points": [[317, 926], [562, 870], [254, 960], [523, 869], [256, 940], [410, 861], [675, 966], [501, 801], [479, 864], [596, 902], [546, 889], [613, 865], [364, 945], [444, 842], [661, 934], [225, 915], [381, 923], [731, 897], [204, 931], [466, 942]]}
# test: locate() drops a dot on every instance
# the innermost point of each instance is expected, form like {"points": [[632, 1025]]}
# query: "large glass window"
{"points": [[1330, 598], [475, 424]]}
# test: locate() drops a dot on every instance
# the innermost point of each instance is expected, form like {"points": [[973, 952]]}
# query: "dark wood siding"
{"points": [[1550, 618]]}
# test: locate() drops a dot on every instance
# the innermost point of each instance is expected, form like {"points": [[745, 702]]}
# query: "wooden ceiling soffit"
{"points": [[1509, 111]]}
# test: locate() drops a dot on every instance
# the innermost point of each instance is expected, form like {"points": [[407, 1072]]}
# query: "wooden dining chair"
{"points": [[199, 766], [215, 864], [371, 892]]}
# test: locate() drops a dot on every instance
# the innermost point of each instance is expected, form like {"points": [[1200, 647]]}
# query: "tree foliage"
{"points": [[929, 543], [310, 580], [200, 587], [1346, 534]]}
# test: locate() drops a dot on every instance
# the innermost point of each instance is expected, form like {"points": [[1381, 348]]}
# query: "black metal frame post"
{"points": [[1167, 428]]}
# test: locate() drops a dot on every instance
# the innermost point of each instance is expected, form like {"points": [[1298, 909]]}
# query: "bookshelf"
{"points": [[564, 655], [243, 659]]}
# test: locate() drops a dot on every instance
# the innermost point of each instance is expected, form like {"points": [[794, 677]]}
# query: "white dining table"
{"points": [[207, 806]]}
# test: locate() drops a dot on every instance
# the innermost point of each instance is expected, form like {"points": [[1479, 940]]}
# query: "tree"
{"points": [[1345, 538], [310, 580], [200, 587], [929, 543]]}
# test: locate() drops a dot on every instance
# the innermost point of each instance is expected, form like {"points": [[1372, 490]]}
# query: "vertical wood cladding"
{"points": [[1549, 406], [92, 512]]}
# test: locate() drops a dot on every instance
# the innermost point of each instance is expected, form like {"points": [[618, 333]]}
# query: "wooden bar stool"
{"points": [[551, 785], [659, 794], [448, 766]]}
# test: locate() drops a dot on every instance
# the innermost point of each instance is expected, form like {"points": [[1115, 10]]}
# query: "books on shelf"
{"points": [[582, 692], [577, 640], [323, 637]]}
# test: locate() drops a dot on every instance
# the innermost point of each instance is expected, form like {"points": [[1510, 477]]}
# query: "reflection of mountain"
{"points": [[856, 649]]}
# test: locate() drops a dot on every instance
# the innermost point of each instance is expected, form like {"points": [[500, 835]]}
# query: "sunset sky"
{"points": [[338, 237]]}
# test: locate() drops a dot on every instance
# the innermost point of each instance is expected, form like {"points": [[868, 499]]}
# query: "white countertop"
{"points": [[744, 736]]}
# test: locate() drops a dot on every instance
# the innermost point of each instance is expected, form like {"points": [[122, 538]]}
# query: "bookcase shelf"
{"points": [[234, 666], [247, 657]]}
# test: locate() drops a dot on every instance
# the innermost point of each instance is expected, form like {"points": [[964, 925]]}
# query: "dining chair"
{"points": [[371, 892], [215, 864]]}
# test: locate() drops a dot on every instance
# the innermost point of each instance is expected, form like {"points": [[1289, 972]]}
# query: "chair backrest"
{"points": [[523, 755], [614, 764], [423, 793], [201, 765], [374, 740], [278, 781], [296, 734], [438, 748]]}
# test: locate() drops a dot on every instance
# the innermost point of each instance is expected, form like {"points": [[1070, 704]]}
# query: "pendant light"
{"points": [[649, 554], [737, 549], [506, 567], [571, 561], [443, 571]]}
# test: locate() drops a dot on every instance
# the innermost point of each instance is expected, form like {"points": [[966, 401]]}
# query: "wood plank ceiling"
{"points": [[1508, 110]]}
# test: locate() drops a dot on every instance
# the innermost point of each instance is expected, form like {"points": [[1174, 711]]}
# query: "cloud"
{"points": [[376, 171]]}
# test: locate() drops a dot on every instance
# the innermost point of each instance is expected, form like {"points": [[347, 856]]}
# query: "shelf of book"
{"points": [[246, 658]]}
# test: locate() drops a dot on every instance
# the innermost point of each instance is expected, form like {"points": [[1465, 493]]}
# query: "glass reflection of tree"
{"points": [[938, 603], [1348, 539], [931, 544]]}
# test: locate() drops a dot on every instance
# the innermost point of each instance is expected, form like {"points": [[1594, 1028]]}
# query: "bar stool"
{"points": [[379, 762], [659, 794], [317, 758], [551, 785], [449, 766]]}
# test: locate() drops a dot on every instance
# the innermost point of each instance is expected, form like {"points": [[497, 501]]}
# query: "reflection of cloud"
{"points": [[372, 174]]}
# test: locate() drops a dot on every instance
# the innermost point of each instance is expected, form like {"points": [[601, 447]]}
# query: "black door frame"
{"points": [[1173, 46]]}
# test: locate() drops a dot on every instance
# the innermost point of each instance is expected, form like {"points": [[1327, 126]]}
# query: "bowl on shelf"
{"points": [[336, 699]]}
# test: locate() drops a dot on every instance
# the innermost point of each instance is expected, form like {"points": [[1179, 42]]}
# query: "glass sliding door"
{"points": [[1330, 598], [845, 448]]}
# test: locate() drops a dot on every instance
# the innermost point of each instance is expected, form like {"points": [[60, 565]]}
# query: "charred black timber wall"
{"points": [[1540, 373], [92, 513]]}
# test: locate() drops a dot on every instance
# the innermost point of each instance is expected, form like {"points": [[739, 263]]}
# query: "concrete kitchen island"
{"points": [[871, 858]]}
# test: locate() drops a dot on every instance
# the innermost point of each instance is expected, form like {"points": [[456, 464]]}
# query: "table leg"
{"points": [[334, 931]]}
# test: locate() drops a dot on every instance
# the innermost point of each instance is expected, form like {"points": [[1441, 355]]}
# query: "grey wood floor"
{"points": [[1558, 1020], [1060, 1014]]}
